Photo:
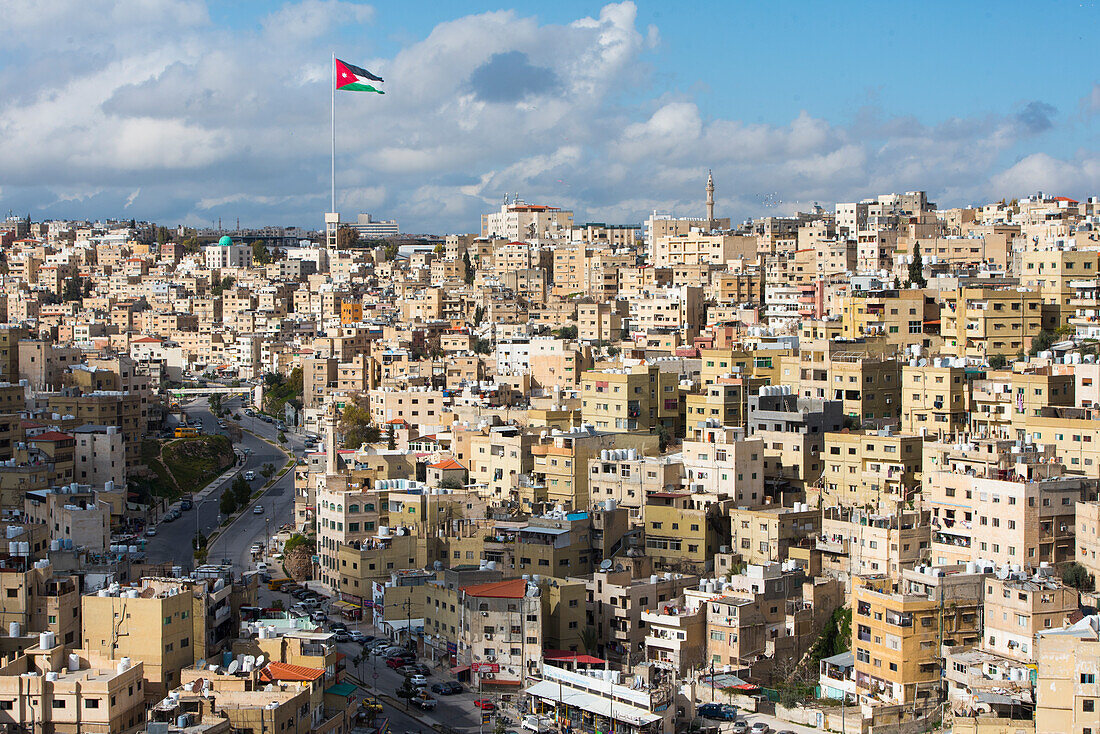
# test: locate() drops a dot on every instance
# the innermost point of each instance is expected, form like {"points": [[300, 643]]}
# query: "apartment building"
{"points": [[151, 623], [625, 477], [723, 461], [45, 689], [898, 627], [1001, 502], [501, 624], [877, 468], [1001, 402], [560, 473], [1019, 607], [904, 318], [1087, 517], [983, 322], [615, 602], [934, 398], [855, 541], [773, 534], [793, 429], [683, 530], [1068, 687]]}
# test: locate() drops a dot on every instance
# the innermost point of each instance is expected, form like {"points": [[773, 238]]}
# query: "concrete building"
{"points": [[1068, 688]]}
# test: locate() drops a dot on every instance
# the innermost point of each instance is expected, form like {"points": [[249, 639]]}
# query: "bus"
{"points": [[187, 432]]}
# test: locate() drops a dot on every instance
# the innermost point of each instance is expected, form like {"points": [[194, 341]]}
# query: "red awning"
{"points": [[459, 669], [567, 656]]}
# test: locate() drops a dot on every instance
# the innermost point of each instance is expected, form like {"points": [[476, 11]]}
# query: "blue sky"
{"points": [[184, 111]]}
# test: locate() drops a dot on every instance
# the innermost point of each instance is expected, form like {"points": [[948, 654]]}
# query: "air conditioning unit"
{"points": [[485, 614], [490, 657], [488, 636]]}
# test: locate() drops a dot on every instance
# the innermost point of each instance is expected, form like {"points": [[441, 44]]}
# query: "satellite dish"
{"points": [[260, 661], [605, 564], [233, 666]]}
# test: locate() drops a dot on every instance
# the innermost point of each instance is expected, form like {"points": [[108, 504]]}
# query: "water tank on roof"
{"points": [[13, 629]]}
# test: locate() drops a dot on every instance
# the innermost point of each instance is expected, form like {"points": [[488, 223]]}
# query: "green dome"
{"points": [[226, 241]]}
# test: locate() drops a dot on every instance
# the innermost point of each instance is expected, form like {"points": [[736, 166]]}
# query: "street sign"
{"points": [[485, 667], [486, 717], [452, 648]]}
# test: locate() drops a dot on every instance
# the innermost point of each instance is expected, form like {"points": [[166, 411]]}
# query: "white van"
{"points": [[537, 724]]}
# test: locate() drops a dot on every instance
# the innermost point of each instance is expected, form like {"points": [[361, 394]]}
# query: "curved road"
{"points": [[174, 540]]}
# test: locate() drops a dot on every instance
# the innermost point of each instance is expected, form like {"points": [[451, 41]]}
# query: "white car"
{"points": [[760, 728], [249, 475], [418, 680], [258, 510]]}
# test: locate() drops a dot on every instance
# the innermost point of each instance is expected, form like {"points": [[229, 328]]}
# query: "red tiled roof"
{"points": [[509, 589], [448, 464], [1065, 198], [286, 671], [51, 436], [146, 340]]}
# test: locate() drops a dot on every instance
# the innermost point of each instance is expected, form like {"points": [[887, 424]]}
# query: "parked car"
{"points": [[760, 728], [257, 548], [740, 727], [318, 616], [418, 680], [537, 724], [341, 636], [186, 504], [258, 510], [355, 635], [151, 532], [424, 702], [395, 663], [448, 688], [485, 704], [721, 712]]}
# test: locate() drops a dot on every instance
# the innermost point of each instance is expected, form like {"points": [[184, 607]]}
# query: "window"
{"points": [[1088, 705], [58, 704], [91, 703]]}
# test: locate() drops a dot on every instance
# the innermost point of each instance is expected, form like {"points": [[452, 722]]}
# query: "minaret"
{"points": [[710, 200]]}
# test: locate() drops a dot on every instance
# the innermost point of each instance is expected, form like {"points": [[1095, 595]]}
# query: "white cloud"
{"points": [[206, 121]]}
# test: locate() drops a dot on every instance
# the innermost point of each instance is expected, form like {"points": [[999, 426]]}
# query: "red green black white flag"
{"points": [[351, 78]]}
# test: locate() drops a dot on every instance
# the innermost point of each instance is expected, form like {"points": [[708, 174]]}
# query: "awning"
{"points": [[459, 669], [338, 604], [568, 656], [595, 704]]}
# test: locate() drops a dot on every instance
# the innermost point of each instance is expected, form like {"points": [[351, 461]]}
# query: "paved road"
{"points": [[173, 541], [457, 712]]}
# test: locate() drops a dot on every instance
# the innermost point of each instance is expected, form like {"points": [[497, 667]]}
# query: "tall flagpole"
{"points": [[333, 132]]}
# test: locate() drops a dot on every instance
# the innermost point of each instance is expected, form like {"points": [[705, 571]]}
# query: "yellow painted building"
{"points": [[881, 469]]}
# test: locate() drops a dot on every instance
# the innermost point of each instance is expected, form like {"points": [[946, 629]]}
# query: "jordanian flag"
{"points": [[355, 78]]}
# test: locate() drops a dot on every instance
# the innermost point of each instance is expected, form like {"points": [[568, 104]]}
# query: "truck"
{"points": [[537, 724]]}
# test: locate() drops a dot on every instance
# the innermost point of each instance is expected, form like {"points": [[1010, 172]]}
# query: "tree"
{"points": [[663, 436], [391, 437], [916, 268], [1042, 341], [470, 271], [242, 491], [163, 235], [589, 639], [355, 424], [282, 437], [219, 286], [483, 346], [267, 470], [479, 315], [1078, 577], [997, 361], [228, 503], [347, 237], [73, 289], [406, 691], [260, 254], [568, 332]]}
